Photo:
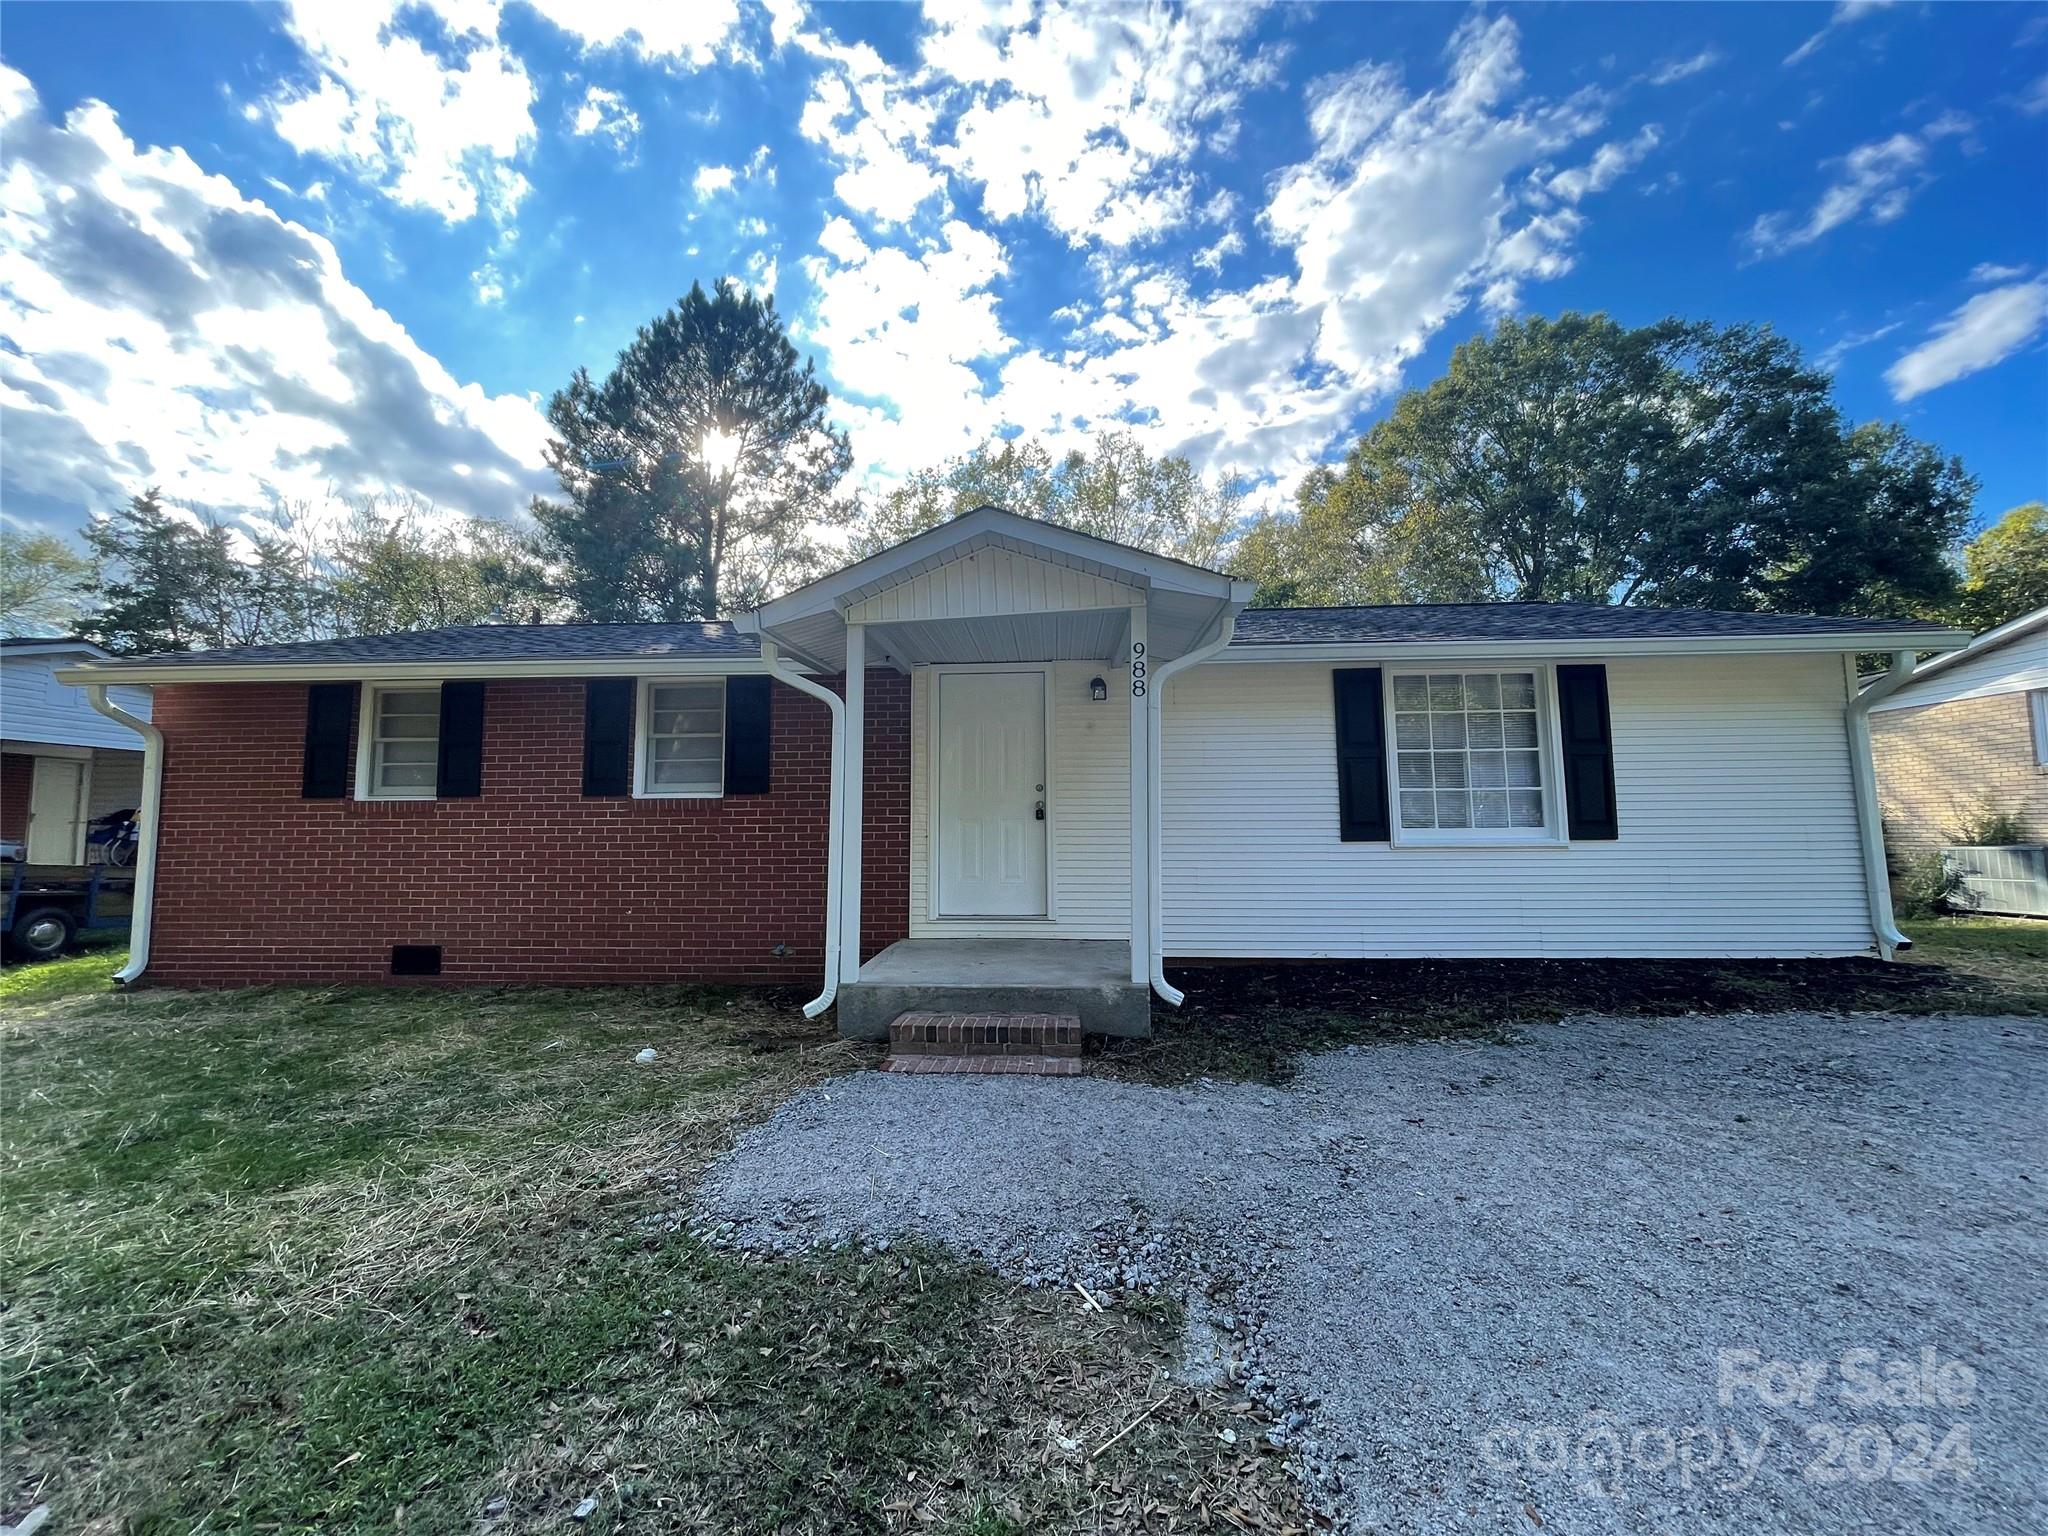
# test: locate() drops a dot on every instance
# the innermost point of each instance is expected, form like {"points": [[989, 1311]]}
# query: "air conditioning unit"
{"points": [[2010, 880]]}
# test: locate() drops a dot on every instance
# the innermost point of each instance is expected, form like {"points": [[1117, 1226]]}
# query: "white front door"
{"points": [[991, 796], [56, 810]]}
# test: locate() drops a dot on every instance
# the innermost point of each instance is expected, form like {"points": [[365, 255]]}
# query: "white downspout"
{"points": [[1869, 814], [1161, 675], [144, 904], [835, 833]]}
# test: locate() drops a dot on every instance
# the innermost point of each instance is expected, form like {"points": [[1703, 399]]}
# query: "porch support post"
{"points": [[1140, 662], [856, 778]]}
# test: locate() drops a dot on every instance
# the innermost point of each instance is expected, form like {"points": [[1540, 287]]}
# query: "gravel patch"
{"points": [[1611, 1276]]}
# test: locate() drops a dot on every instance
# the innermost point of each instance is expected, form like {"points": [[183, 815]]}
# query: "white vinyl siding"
{"points": [[2018, 666], [1090, 857], [681, 750], [36, 708], [400, 751], [1738, 828], [116, 782]]}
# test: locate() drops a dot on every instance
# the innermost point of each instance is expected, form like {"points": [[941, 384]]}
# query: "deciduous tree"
{"points": [[1576, 460]]}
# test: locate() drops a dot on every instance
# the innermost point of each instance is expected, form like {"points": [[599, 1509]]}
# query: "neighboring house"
{"points": [[62, 763], [1967, 734], [1036, 794]]}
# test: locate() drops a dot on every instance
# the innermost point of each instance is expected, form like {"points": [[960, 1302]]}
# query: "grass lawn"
{"points": [[305, 1260], [2002, 960]]}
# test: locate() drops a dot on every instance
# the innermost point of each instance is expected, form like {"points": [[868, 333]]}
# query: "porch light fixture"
{"points": [[1098, 690]]}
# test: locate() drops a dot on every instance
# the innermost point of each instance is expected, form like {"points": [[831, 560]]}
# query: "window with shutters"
{"points": [[1472, 756], [398, 755], [682, 739]]}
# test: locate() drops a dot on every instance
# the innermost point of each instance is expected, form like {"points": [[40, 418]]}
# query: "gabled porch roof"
{"points": [[993, 586]]}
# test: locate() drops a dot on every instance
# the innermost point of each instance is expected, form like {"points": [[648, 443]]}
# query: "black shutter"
{"points": [[746, 735], [460, 773], [1361, 756], [608, 736], [330, 711], [1588, 740]]}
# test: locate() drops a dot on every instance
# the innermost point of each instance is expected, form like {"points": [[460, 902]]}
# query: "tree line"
{"points": [[1676, 464]]}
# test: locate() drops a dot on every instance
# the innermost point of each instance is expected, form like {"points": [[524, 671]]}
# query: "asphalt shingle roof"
{"points": [[1425, 623], [487, 642], [1405, 624]]}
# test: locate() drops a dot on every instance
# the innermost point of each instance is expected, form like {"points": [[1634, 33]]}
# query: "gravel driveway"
{"points": [[1610, 1277]]}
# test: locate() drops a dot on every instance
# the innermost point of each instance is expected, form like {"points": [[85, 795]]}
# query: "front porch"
{"points": [[1089, 979], [1035, 657]]}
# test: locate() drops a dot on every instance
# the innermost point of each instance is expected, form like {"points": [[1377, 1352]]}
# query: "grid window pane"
{"points": [[1468, 751], [405, 742], [686, 738]]}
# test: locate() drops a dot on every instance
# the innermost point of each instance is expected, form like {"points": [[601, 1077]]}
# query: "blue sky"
{"points": [[273, 253]]}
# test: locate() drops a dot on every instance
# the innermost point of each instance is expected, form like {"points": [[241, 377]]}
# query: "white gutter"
{"points": [[143, 905], [1401, 652], [1226, 627], [835, 834], [86, 675], [1869, 814]]}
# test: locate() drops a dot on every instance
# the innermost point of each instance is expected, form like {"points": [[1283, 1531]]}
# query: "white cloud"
{"points": [[1090, 118], [1410, 208], [438, 135], [1874, 181], [1609, 162], [1995, 272], [2034, 99], [605, 113], [711, 180], [686, 32], [1983, 332], [489, 283], [1685, 69], [168, 331], [1831, 358], [1846, 13], [1211, 257]]}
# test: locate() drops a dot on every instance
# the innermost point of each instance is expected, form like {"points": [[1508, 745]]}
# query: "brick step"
{"points": [[1029, 1066], [985, 1034]]}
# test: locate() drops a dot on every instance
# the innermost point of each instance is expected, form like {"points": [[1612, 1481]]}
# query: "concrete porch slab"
{"points": [[1090, 978]]}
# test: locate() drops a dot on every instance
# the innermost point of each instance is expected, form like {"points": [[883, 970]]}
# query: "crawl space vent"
{"points": [[415, 959]]}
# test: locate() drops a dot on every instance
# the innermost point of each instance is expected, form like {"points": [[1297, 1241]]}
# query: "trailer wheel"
{"points": [[44, 933]]}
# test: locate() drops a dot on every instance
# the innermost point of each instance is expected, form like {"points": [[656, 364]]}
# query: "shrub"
{"points": [[1988, 828], [1924, 886]]}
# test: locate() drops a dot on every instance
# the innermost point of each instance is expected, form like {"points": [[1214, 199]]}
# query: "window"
{"points": [[2037, 712], [1469, 757], [400, 753], [682, 738]]}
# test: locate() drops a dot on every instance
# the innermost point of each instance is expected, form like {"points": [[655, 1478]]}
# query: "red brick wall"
{"points": [[17, 778], [529, 883]]}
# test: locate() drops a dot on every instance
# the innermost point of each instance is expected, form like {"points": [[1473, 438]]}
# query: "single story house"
{"points": [[1968, 734], [62, 763], [1007, 755]]}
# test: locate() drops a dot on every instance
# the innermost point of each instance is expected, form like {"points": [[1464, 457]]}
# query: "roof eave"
{"points": [[410, 671], [1716, 645]]}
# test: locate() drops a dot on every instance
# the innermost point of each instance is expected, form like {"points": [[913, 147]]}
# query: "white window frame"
{"points": [[643, 737], [2037, 716], [366, 741], [1550, 763]]}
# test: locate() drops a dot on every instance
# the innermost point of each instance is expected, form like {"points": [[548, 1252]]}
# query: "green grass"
{"points": [[2006, 938], [336, 1261], [43, 981]]}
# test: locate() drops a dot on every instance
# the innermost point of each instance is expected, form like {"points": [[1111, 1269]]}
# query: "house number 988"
{"points": [[1137, 669]]}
